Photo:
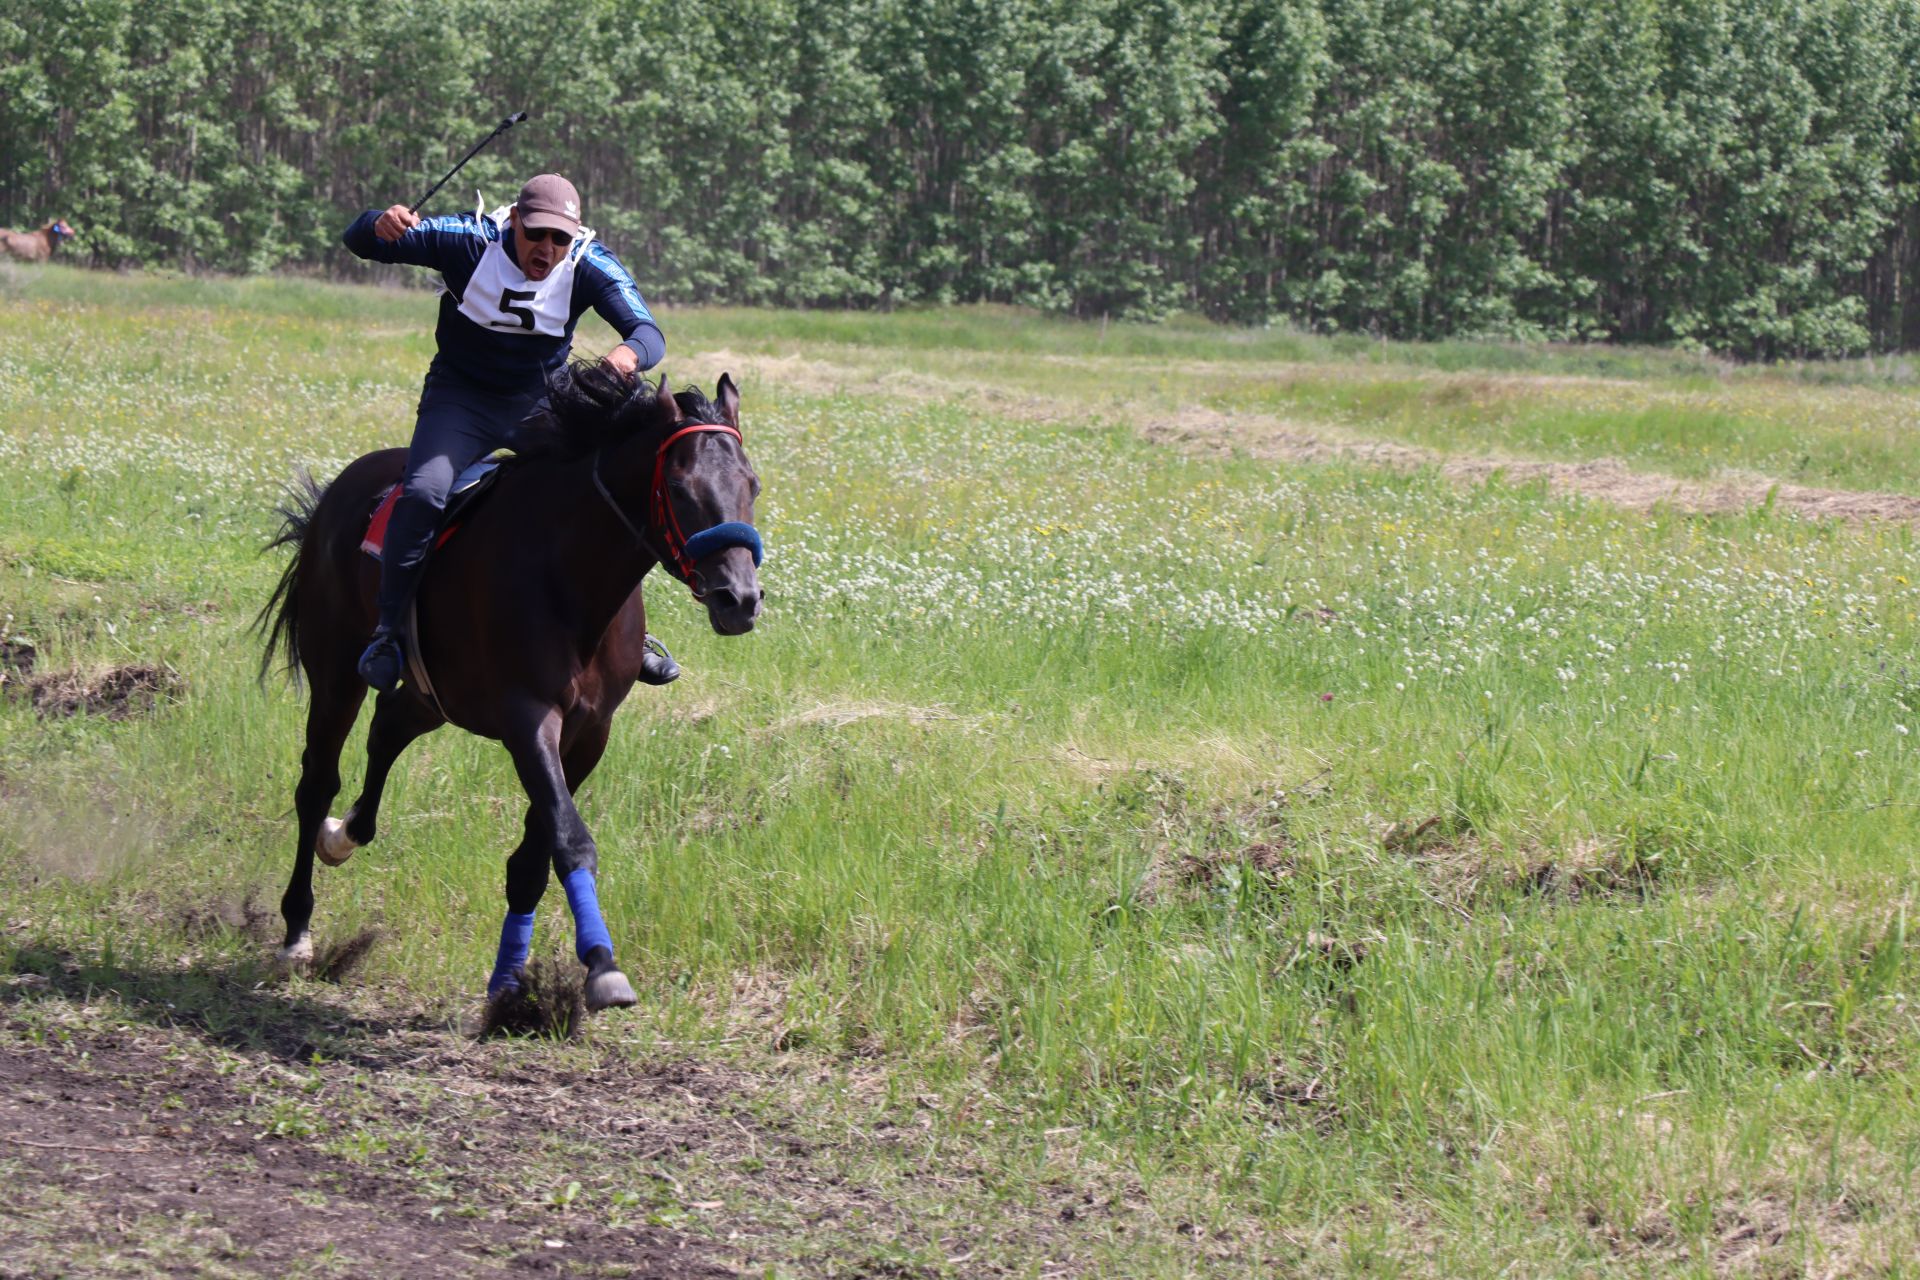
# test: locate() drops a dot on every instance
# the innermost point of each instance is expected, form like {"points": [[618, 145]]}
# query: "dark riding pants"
{"points": [[460, 423]]}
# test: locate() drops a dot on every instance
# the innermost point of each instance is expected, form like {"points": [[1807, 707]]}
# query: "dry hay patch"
{"points": [[1270, 860], [838, 715], [696, 711], [1215, 433], [812, 376]]}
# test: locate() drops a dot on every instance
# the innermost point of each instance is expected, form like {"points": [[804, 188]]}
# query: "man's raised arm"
{"points": [[400, 235]]}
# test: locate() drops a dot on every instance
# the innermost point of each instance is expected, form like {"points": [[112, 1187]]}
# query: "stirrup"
{"points": [[656, 664]]}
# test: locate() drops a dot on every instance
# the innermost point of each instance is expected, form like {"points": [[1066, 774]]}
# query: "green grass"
{"points": [[1383, 874]]}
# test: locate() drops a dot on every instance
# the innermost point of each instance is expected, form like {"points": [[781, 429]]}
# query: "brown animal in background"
{"points": [[35, 246]]}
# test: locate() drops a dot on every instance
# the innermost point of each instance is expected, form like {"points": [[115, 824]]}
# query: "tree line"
{"points": [[1739, 174]]}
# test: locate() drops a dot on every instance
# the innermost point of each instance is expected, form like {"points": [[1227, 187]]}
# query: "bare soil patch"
{"points": [[192, 1119], [16, 660], [118, 693], [1470, 871], [107, 1133]]}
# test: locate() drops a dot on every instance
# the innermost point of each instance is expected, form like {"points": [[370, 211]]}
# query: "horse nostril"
{"points": [[734, 601]]}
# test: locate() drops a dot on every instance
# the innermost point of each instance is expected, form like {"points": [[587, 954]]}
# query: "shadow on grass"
{"points": [[240, 1005]]}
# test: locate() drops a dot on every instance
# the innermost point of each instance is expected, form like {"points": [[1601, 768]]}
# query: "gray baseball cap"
{"points": [[549, 201]]}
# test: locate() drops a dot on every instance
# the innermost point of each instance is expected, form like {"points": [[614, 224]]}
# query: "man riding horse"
{"points": [[513, 296]]}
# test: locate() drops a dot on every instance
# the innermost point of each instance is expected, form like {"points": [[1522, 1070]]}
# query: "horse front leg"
{"points": [[553, 820], [526, 885]]}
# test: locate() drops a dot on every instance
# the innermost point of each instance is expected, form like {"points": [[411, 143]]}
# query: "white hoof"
{"points": [[333, 845], [297, 954]]}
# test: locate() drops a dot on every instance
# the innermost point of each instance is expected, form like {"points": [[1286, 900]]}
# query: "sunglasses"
{"points": [[549, 235]]}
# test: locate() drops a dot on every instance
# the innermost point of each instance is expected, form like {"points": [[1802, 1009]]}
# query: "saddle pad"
{"points": [[467, 488]]}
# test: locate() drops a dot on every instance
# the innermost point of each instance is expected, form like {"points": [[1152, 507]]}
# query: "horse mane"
{"points": [[588, 407], [695, 406]]}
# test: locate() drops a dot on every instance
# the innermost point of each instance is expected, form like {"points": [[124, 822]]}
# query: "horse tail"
{"points": [[280, 619]]}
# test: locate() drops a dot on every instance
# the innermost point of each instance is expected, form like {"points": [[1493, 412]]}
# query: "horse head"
{"points": [[682, 456], [702, 508]]}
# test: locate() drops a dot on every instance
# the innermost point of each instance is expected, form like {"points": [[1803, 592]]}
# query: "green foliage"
{"points": [[1736, 176]]}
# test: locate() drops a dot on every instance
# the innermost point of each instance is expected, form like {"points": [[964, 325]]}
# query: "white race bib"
{"points": [[499, 297]]}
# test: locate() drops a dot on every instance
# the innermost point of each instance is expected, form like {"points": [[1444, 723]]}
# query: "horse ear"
{"points": [[729, 396], [669, 407]]}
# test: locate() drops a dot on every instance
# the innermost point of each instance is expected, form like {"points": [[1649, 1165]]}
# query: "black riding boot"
{"points": [[382, 663], [410, 532], [657, 665]]}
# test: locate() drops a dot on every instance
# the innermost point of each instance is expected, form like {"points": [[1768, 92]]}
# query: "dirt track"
{"points": [[138, 1147], [195, 1119]]}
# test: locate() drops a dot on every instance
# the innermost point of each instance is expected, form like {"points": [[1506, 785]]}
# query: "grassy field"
{"points": [[1103, 859]]}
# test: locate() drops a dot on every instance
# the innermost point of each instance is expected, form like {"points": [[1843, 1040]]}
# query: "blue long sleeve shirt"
{"points": [[453, 245]]}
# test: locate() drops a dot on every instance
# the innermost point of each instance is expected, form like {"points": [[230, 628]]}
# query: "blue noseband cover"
{"points": [[733, 533]]}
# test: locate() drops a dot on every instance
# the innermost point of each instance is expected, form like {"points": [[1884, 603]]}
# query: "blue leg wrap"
{"points": [[516, 941], [589, 930]]}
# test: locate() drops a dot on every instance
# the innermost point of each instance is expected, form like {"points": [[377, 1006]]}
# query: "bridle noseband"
{"points": [[682, 552]]}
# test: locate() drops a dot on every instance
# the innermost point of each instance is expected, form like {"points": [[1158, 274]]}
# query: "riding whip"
{"points": [[504, 125]]}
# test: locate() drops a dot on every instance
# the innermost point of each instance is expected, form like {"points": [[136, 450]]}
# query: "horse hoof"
{"points": [[333, 845], [609, 990], [297, 954]]}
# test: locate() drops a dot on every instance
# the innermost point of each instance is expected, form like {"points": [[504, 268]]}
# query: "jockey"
{"points": [[513, 295]]}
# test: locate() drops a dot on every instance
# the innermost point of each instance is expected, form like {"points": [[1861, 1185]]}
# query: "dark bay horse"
{"points": [[530, 625]]}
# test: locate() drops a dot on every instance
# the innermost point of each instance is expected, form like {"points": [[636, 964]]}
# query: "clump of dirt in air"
{"points": [[336, 962], [551, 1002], [118, 693]]}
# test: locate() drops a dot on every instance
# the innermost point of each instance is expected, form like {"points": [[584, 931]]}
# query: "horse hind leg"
{"points": [[397, 720], [330, 718]]}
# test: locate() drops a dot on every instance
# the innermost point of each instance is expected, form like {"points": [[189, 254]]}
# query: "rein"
{"points": [[683, 552]]}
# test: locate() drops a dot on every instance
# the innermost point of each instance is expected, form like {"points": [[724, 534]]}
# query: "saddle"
{"points": [[468, 488]]}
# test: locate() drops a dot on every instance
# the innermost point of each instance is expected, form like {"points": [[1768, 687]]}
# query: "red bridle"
{"points": [[661, 510], [663, 518]]}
